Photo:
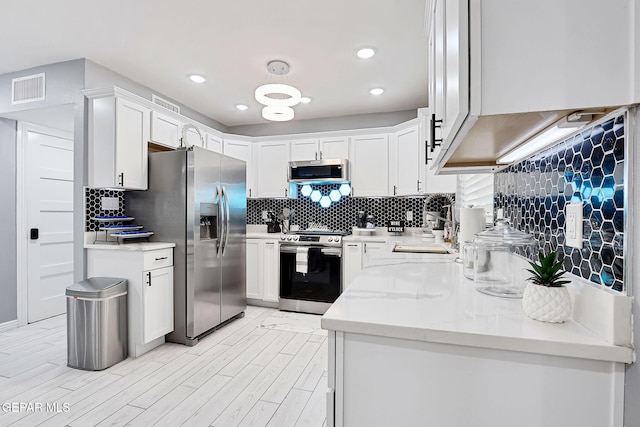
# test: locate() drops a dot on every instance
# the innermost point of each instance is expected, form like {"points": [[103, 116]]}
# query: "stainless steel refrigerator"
{"points": [[197, 199]]}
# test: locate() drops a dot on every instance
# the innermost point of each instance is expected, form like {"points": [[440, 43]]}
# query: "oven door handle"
{"points": [[326, 251]]}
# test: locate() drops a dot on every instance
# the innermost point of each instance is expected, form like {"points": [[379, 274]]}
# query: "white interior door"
{"points": [[49, 196]]}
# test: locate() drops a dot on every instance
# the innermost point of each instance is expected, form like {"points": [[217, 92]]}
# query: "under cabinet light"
{"points": [[552, 134]]}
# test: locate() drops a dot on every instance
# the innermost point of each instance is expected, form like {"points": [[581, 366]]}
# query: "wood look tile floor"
{"points": [[266, 369]]}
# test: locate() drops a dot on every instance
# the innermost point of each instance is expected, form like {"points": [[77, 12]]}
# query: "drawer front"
{"points": [[158, 259]]}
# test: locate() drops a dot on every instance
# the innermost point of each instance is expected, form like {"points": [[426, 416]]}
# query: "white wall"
{"points": [[632, 377], [8, 289]]}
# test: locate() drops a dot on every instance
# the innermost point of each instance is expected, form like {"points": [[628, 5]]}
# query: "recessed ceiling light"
{"points": [[242, 107], [376, 91], [366, 53], [305, 100], [197, 78]]}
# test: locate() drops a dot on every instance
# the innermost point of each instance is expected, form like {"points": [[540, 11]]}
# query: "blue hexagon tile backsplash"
{"points": [[587, 168]]}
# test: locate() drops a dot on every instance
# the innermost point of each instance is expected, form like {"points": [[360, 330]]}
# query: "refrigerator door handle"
{"points": [[226, 218], [220, 221]]}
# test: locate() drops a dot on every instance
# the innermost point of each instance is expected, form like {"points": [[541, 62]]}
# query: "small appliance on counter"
{"points": [[273, 225], [365, 224]]}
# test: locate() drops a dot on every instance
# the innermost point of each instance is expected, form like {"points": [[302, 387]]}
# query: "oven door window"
{"points": [[321, 282]]}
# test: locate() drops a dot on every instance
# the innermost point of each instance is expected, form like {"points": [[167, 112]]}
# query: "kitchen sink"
{"points": [[421, 248]]}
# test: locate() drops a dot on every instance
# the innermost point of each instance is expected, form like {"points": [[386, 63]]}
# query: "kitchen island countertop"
{"points": [[425, 297]]}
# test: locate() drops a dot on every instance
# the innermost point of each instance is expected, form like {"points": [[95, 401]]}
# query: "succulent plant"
{"points": [[548, 272]]}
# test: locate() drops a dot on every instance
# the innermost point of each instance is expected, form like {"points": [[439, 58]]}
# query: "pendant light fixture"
{"points": [[278, 98]]}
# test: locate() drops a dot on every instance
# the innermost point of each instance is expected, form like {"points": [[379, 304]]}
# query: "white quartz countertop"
{"points": [[425, 297], [140, 246]]}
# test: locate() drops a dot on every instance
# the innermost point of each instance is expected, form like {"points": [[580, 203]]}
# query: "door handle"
{"points": [[220, 220], [34, 234], [161, 258], [226, 219], [149, 278], [435, 124]]}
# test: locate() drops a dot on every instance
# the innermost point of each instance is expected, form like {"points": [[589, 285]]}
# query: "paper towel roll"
{"points": [[472, 221]]}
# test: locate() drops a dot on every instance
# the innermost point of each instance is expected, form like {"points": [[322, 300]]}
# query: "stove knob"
{"points": [[330, 239], [289, 237], [337, 239], [296, 238], [283, 237]]}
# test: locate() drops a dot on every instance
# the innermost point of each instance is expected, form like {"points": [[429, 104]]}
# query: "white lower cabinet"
{"points": [[369, 251], [157, 300], [356, 256], [254, 269], [351, 262], [263, 271], [149, 275], [385, 381]]}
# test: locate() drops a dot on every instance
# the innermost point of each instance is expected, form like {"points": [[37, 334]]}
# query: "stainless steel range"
{"points": [[310, 270]]}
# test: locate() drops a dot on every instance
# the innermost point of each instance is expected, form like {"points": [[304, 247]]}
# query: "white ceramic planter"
{"points": [[546, 304]]}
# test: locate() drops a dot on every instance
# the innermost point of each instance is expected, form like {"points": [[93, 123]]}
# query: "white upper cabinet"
{"points": [[406, 163], [214, 142], [496, 80], [165, 130], [450, 66], [119, 131], [432, 183], [272, 169], [305, 149], [334, 148], [369, 162], [242, 150], [320, 148]]}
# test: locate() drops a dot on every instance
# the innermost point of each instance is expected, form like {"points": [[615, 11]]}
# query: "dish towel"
{"points": [[302, 260]]}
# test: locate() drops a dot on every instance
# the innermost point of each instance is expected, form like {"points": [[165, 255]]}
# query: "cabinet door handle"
{"points": [[285, 192], [121, 179], [365, 248], [249, 192], [149, 278], [418, 185], [435, 124], [394, 190], [269, 243], [353, 246], [316, 155], [161, 258], [321, 155]]}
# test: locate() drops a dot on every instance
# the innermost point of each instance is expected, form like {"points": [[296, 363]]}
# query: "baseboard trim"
{"points": [[7, 326]]}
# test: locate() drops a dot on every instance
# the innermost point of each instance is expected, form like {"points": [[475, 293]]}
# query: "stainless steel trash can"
{"points": [[96, 323]]}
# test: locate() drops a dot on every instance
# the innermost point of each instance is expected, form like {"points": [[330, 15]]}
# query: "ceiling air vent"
{"points": [[27, 89], [165, 104]]}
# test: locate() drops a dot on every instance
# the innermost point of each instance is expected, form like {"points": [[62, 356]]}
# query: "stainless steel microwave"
{"points": [[326, 170]]}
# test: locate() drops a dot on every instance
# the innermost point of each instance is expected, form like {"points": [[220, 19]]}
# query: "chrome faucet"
{"points": [[452, 221], [183, 140]]}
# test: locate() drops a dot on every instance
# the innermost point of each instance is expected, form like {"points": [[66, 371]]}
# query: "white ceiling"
{"points": [[159, 42]]}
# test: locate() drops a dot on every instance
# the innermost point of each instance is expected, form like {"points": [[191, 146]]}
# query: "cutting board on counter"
{"points": [[421, 249]]}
